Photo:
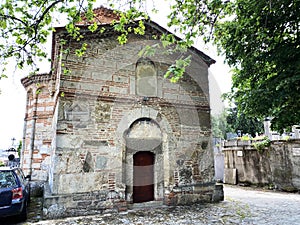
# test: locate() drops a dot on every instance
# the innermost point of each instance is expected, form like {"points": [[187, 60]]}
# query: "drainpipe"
{"points": [[33, 122]]}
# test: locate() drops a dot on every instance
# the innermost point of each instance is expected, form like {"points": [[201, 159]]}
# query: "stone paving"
{"points": [[241, 206], [266, 207]]}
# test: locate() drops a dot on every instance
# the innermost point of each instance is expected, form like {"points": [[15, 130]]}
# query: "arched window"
{"points": [[146, 78]]}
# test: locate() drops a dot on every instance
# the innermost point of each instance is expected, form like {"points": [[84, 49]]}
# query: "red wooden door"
{"points": [[143, 177]]}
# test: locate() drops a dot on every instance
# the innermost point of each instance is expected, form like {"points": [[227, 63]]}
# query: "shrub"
{"points": [[261, 145], [2, 163]]}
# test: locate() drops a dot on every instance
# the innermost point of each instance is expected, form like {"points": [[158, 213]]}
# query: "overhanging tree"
{"points": [[260, 39], [262, 42], [26, 24]]}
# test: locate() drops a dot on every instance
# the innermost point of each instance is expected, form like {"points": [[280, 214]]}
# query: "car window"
{"points": [[20, 175], [7, 179]]}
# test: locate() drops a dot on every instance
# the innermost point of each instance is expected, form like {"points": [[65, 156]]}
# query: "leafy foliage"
{"points": [[262, 42], [177, 70], [231, 121], [26, 24], [240, 121], [220, 126], [19, 149], [261, 145]]}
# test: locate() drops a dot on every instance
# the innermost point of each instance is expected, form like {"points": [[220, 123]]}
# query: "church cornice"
{"points": [[138, 100], [35, 79]]}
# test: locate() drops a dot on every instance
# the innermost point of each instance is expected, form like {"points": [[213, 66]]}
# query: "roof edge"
{"points": [[207, 59], [36, 78]]}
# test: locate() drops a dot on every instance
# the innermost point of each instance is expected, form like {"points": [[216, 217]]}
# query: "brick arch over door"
{"points": [[163, 183]]}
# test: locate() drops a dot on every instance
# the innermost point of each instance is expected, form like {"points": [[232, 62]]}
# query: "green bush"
{"points": [[2, 163], [261, 145]]}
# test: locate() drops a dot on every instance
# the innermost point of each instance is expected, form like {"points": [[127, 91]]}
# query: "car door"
{"points": [[7, 183], [23, 182]]}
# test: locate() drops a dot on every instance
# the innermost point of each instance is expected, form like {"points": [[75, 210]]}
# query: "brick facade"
{"points": [[83, 129]]}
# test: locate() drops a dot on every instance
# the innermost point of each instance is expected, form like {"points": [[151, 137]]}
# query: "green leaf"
{"points": [[122, 39], [93, 27]]}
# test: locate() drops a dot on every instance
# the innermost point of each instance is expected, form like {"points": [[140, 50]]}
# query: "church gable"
{"points": [[102, 15]]}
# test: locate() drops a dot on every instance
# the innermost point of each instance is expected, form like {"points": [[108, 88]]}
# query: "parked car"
{"points": [[14, 193]]}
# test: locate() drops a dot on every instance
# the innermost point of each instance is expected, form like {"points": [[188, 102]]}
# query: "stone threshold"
{"points": [[150, 204]]}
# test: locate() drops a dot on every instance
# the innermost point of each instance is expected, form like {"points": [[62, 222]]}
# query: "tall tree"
{"points": [[231, 121], [260, 39], [220, 125], [243, 123], [262, 42]]}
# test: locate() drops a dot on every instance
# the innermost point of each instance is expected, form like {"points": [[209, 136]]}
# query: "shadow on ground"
{"points": [[34, 213]]}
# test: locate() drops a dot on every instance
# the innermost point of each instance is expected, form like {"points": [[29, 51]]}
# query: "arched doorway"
{"points": [[143, 164], [143, 177]]}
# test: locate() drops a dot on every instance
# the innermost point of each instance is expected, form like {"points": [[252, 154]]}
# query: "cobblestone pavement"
{"points": [[266, 207], [241, 206]]}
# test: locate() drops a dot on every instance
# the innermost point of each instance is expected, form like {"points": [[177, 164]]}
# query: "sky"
{"points": [[12, 110], [13, 95]]}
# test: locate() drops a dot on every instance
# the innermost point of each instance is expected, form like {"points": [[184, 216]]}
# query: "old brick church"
{"points": [[114, 132]]}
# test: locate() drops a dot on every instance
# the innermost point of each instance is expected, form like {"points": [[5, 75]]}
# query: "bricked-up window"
{"points": [[146, 78]]}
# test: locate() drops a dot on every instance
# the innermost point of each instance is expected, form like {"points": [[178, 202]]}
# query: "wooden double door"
{"points": [[143, 177]]}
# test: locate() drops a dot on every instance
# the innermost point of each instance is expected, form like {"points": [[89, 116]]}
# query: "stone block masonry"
{"points": [[114, 116]]}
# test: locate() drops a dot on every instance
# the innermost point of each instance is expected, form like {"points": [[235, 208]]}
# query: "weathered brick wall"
{"points": [[100, 104], [38, 130], [82, 141]]}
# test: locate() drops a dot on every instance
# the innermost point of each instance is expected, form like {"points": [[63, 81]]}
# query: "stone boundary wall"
{"points": [[277, 165]]}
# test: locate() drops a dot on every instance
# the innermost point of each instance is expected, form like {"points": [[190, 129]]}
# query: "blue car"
{"points": [[14, 193]]}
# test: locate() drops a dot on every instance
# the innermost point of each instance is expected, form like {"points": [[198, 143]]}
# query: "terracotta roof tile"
{"points": [[102, 16]]}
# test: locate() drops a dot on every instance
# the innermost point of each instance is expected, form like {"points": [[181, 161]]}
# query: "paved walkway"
{"points": [[241, 206], [266, 207]]}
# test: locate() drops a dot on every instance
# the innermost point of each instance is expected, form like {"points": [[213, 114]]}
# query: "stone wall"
{"points": [[276, 166]]}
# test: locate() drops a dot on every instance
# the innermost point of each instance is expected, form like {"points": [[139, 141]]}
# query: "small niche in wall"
{"points": [[146, 78]]}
